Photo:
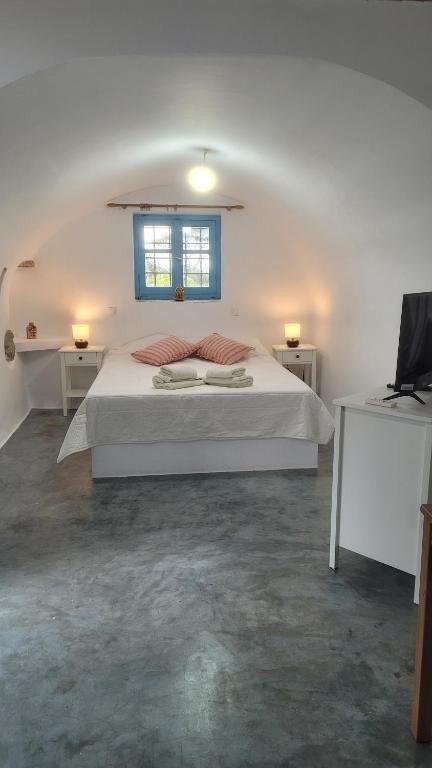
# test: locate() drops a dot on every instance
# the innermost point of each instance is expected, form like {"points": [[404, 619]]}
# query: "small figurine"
{"points": [[179, 293], [31, 331]]}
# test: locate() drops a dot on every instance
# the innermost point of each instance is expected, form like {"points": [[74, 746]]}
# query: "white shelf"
{"points": [[37, 345], [76, 392]]}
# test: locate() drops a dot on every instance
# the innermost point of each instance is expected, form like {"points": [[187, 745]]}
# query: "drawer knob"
{"points": [[80, 357], [297, 356]]}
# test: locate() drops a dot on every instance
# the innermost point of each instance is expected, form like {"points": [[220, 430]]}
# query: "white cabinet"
{"points": [[303, 355], [71, 357], [381, 476]]}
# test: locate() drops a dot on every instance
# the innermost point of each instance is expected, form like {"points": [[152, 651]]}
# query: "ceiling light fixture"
{"points": [[201, 177]]}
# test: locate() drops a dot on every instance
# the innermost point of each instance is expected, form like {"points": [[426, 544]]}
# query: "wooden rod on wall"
{"points": [[149, 206]]}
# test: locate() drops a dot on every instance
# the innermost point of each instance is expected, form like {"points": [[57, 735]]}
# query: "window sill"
{"points": [[185, 301]]}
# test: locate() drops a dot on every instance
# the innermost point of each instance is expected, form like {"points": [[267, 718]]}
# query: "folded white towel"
{"points": [[233, 382], [225, 373], [160, 382], [161, 378], [179, 373]]}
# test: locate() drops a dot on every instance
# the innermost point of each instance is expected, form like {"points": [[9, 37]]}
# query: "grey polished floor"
{"points": [[191, 622]]}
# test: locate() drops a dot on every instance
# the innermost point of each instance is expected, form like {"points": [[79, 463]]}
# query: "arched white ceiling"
{"points": [[349, 153], [390, 41], [315, 133]]}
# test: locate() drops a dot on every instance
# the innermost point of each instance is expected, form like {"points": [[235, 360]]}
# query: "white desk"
{"points": [[381, 476]]}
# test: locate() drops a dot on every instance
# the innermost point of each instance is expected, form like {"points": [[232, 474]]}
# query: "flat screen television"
{"points": [[414, 363]]}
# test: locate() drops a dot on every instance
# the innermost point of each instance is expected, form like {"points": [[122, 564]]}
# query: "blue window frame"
{"points": [[171, 250]]}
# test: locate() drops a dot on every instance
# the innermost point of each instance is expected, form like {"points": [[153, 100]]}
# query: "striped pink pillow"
{"points": [[165, 351], [219, 349]]}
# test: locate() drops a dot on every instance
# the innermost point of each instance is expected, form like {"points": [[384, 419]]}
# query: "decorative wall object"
{"points": [[31, 331], [2, 277], [9, 346], [28, 264]]}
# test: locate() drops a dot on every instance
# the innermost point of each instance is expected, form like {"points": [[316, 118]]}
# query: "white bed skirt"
{"points": [[202, 456]]}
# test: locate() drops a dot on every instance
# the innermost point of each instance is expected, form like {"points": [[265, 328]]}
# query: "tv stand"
{"points": [[382, 474], [405, 394]]}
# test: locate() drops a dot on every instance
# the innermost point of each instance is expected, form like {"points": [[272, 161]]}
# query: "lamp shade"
{"points": [[292, 330], [80, 332], [201, 178]]}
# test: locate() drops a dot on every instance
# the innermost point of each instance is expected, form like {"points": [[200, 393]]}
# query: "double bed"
{"points": [[134, 429]]}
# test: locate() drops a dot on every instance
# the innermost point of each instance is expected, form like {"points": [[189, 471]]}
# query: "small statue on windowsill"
{"points": [[179, 293]]}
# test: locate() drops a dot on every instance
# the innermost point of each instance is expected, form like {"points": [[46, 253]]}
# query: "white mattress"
{"points": [[122, 406]]}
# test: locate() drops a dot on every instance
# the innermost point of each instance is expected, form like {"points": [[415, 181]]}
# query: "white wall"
{"points": [[342, 162], [13, 397], [86, 268], [69, 137]]}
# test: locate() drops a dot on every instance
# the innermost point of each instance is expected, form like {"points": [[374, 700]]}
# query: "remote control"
{"points": [[380, 401]]}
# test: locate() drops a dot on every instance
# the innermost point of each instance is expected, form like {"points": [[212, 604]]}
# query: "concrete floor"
{"points": [[191, 622]]}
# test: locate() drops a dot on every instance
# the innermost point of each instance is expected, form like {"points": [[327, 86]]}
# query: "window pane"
{"points": [[195, 238], [158, 267], [192, 281], [163, 281], [196, 270], [149, 263], [191, 265], [157, 238], [163, 265], [199, 262]]}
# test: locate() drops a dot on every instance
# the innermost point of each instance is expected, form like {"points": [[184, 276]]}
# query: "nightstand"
{"points": [[71, 357], [304, 354]]}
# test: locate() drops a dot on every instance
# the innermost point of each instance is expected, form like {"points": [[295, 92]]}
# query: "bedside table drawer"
{"points": [[296, 356], [81, 358]]}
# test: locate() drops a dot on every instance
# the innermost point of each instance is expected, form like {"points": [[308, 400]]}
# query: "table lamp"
{"points": [[292, 334], [80, 335]]}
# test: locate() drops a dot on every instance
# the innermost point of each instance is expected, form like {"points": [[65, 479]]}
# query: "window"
{"points": [[176, 250]]}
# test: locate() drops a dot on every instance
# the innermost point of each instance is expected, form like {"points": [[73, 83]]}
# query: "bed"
{"points": [[134, 429]]}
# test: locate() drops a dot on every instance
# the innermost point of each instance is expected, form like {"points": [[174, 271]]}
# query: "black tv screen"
{"points": [[414, 364]]}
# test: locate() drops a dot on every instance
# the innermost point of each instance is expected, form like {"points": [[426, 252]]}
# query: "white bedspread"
{"points": [[123, 407]]}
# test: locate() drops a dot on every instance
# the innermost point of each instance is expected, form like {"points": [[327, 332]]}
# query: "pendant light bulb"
{"points": [[201, 177]]}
